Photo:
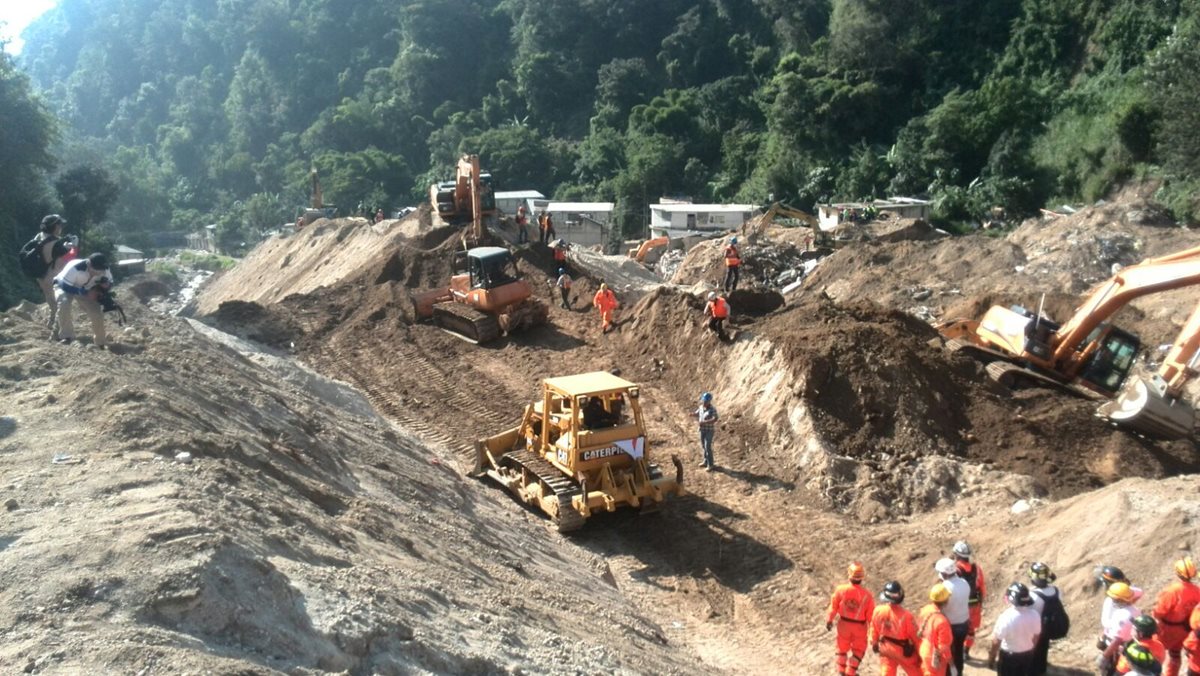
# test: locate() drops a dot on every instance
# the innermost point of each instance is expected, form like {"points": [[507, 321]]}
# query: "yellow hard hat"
{"points": [[1120, 591], [939, 593], [1185, 568], [856, 572]]}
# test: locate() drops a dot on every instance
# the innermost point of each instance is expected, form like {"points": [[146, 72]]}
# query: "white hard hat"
{"points": [[946, 567], [961, 548], [712, 295]]}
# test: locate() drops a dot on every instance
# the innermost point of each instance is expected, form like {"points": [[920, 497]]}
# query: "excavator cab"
{"points": [[1110, 363]]}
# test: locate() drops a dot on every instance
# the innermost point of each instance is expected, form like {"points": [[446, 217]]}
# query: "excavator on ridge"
{"points": [[1090, 357]]}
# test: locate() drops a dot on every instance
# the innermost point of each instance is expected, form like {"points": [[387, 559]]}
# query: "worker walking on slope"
{"points": [[563, 284], [717, 311], [972, 574], [935, 634], [1117, 618], [1174, 609], [606, 302], [957, 609], [852, 606], [1144, 634], [1047, 601], [1015, 635], [893, 633], [706, 416], [733, 266]]}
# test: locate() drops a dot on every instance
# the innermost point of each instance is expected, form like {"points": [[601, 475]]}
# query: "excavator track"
{"points": [[561, 487], [1016, 376], [466, 322]]}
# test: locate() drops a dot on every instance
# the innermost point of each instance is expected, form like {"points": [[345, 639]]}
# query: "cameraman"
{"points": [[82, 282]]}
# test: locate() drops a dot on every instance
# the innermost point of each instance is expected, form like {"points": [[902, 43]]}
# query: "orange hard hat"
{"points": [[939, 593], [1120, 591], [1185, 568], [856, 572]]}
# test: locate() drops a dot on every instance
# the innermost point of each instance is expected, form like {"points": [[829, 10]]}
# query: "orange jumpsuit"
{"points": [[1192, 643], [936, 638], [606, 302], [852, 606], [1152, 644], [891, 627], [975, 603], [1173, 609]]}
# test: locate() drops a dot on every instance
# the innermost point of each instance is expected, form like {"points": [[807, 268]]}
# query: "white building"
{"points": [[685, 220], [507, 202], [582, 223], [830, 215]]}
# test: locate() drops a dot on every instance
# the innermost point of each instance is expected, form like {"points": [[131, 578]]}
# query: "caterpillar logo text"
{"points": [[597, 453]]}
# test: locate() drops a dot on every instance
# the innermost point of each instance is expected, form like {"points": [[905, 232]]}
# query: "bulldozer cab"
{"points": [[592, 419]]}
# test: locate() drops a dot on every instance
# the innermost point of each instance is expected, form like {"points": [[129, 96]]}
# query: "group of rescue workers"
{"points": [[65, 280], [938, 640]]}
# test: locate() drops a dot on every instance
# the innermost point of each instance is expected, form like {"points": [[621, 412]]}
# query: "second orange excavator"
{"points": [[1089, 356]]}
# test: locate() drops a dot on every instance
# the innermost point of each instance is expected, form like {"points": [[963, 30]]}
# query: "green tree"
{"points": [[87, 192]]}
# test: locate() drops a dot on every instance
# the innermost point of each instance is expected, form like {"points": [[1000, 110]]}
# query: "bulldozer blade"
{"points": [[481, 459], [1143, 407]]}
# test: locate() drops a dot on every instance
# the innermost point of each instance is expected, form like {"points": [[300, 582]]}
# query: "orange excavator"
{"points": [[1089, 356], [469, 198]]}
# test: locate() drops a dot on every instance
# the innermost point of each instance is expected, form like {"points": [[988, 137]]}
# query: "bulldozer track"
{"points": [[563, 488], [466, 322]]}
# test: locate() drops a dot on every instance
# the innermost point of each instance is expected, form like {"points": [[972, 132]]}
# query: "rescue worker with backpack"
{"points": [[733, 266], [83, 282], [934, 633], [852, 606], [1047, 600], [893, 633], [973, 575], [1144, 634], [1173, 610], [717, 311], [43, 257]]}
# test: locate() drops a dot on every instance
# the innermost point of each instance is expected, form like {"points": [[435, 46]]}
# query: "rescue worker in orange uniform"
{"points": [[852, 605], [606, 302], [973, 574], [733, 266], [522, 221], [1173, 610], [934, 633], [893, 634], [717, 311], [1144, 630], [1192, 643]]}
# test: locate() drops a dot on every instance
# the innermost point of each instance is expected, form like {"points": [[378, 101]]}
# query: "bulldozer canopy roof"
{"points": [[487, 252], [597, 382]]}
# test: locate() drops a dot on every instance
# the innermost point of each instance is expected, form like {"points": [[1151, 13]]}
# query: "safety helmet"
{"points": [[1018, 595], [706, 397], [1140, 657], [1185, 568], [1111, 574], [962, 550], [733, 240], [603, 287], [946, 567], [892, 592], [1145, 625], [98, 261], [855, 572], [1040, 574], [562, 271], [712, 295], [1121, 591], [51, 221], [939, 593]]}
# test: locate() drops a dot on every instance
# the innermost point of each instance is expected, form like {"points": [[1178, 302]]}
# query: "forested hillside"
{"points": [[204, 112]]}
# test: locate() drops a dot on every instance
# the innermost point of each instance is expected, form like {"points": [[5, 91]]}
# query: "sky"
{"points": [[15, 15]]}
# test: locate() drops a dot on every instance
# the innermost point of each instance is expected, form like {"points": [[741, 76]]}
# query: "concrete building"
{"points": [[830, 215], [507, 202], [204, 240], [582, 223], [686, 224]]}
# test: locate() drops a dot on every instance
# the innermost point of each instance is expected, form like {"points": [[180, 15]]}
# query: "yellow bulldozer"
{"points": [[581, 448]]}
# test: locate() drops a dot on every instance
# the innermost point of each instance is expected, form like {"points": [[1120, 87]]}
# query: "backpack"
{"points": [[1055, 622], [32, 262]]}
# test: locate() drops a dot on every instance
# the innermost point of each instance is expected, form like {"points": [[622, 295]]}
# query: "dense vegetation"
{"points": [[213, 112]]}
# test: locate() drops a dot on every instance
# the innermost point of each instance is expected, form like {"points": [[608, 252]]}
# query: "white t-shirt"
{"points": [[956, 609], [1118, 624], [1018, 628]]}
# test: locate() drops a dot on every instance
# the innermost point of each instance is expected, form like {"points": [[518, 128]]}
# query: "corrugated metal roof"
{"points": [[702, 208], [580, 206], [520, 195]]}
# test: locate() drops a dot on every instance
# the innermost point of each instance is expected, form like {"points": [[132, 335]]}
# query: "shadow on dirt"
{"points": [[690, 537]]}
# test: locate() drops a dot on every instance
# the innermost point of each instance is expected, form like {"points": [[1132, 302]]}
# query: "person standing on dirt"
{"points": [[522, 225], [606, 302], [733, 266], [1173, 609], [893, 633], [51, 249], [1047, 601], [1015, 634], [379, 215], [1118, 625], [1192, 643], [560, 253], [957, 610], [563, 284], [706, 416], [852, 606], [972, 574], [717, 311], [1145, 630], [81, 282], [546, 224], [935, 634]]}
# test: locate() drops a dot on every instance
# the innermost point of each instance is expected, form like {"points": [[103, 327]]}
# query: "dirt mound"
{"points": [[151, 285], [254, 322]]}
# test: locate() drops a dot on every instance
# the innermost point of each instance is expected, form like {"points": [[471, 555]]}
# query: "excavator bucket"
{"points": [[1143, 406]]}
